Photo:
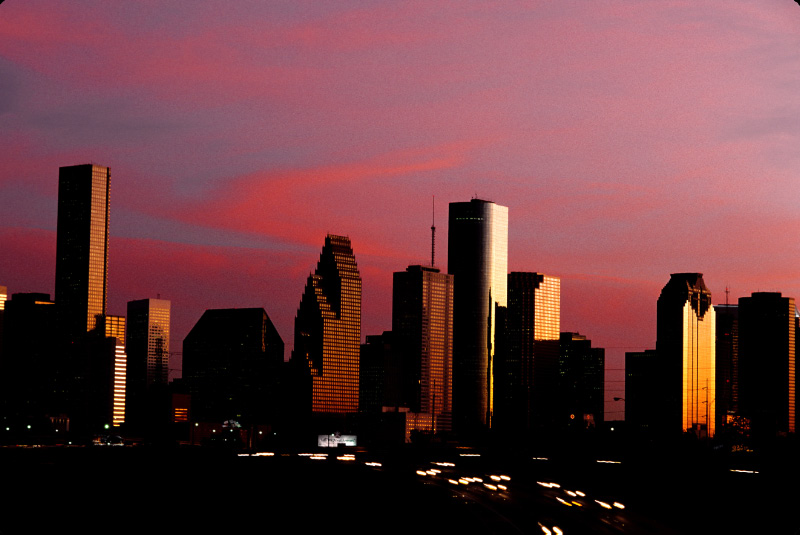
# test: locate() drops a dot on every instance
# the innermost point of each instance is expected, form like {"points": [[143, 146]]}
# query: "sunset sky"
{"points": [[630, 140]]}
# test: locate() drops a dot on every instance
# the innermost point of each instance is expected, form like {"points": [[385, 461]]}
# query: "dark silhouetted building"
{"points": [[581, 383], [327, 332], [30, 384], [643, 400], [727, 401], [767, 362], [422, 330], [379, 376], [527, 363], [477, 256], [232, 361], [148, 362], [82, 247], [686, 346]]}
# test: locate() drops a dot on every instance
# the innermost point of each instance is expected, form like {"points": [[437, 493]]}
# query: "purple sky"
{"points": [[629, 141]]}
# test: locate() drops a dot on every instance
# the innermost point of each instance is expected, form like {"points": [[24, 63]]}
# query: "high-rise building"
{"points": [[643, 400], [148, 358], [29, 371], [477, 256], [114, 328], [527, 363], [422, 330], [581, 383], [327, 329], [767, 370], [232, 361], [82, 247], [727, 400], [685, 343], [3, 298]]}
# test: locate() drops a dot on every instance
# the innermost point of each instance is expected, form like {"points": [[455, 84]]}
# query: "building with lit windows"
{"points": [[148, 360], [327, 329], [422, 331], [767, 368], [3, 298], [114, 328], [686, 348], [477, 257], [82, 247], [527, 367]]}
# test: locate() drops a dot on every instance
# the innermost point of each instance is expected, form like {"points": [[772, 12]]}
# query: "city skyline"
{"points": [[611, 134]]}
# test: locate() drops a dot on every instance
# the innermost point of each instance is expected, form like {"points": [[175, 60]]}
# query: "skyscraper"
{"points": [[148, 356], [477, 256], [685, 345], [114, 328], [327, 329], [643, 401], [581, 383], [232, 362], [767, 370], [527, 368], [727, 350], [422, 330], [82, 247]]}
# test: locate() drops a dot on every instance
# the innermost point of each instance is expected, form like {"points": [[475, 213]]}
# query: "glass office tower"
{"points": [[767, 372], [82, 247], [422, 330], [686, 347], [327, 332], [477, 256]]}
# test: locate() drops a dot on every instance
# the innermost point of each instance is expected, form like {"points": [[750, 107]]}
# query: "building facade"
{"points": [[422, 330], [643, 399], [327, 333], [767, 372], [727, 350], [82, 247], [477, 257], [232, 361], [686, 347], [148, 358], [581, 383], [527, 367]]}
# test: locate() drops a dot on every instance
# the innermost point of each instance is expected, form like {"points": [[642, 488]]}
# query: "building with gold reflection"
{"points": [[477, 256], [82, 247], [114, 332], [148, 359], [686, 349], [422, 337], [527, 368], [767, 366], [327, 333]]}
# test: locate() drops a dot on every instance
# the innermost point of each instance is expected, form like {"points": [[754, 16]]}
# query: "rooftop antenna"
{"points": [[727, 292], [433, 231]]}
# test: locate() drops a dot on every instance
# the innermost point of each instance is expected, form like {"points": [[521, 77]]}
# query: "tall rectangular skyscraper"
{"points": [[527, 366], [686, 349], [327, 329], [148, 356], [767, 368], [422, 330], [82, 247], [477, 256]]}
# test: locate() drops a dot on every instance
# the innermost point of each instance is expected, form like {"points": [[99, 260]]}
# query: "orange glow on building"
{"points": [[328, 328]]}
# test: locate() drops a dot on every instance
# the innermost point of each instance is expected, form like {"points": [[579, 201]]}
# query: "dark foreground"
{"points": [[138, 490]]}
